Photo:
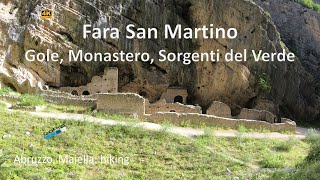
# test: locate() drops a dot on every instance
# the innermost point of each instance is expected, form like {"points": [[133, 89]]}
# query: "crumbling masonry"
{"points": [[102, 93]]}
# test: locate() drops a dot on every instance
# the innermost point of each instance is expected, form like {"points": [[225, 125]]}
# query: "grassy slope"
{"points": [[174, 155], [309, 169], [153, 155]]}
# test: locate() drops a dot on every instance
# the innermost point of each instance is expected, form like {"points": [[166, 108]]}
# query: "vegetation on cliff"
{"points": [[310, 4]]}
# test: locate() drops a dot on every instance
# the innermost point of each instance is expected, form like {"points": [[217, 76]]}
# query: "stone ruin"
{"points": [[219, 114], [175, 95], [219, 109], [163, 106], [260, 115], [121, 103], [108, 83], [102, 93]]}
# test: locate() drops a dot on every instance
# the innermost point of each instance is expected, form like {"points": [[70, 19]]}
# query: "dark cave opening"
{"points": [[85, 93], [66, 36], [9, 85], [178, 99]]}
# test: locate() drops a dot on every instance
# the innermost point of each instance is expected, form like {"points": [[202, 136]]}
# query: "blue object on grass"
{"points": [[54, 133]]}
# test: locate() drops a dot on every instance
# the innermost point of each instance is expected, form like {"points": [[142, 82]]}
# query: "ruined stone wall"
{"points": [[9, 98], [219, 109], [209, 120], [173, 93], [163, 106], [70, 101], [62, 98], [108, 83], [28, 108], [66, 94], [257, 115], [134, 104], [121, 103]]}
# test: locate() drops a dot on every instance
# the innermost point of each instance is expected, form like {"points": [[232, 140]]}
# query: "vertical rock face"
{"points": [[300, 30], [233, 83], [236, 83], [64, 32], [13, 72]]}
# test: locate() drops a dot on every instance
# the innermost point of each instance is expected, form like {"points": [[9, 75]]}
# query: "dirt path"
{"points": [[188, 132]]}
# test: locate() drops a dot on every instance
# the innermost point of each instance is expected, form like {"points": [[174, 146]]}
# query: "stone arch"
{"points": [[178, 99], [86, 93], [75, 93]]}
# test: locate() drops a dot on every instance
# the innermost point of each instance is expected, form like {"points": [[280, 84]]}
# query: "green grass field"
{"points": [[152, 155], [141, 154]]}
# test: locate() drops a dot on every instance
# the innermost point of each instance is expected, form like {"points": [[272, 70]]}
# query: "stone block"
{"points": [[121, 103], [219, 109], [253, 114]]}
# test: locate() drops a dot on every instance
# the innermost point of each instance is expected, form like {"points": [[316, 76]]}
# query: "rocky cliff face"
{"points": [[300, 30], [236, 83], [294, 93]]}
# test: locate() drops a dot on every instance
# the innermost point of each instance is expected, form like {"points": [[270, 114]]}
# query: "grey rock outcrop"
{"points": [[237, 83], [293, 92], [300, 30]]}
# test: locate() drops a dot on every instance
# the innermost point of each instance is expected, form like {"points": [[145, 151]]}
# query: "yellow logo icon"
{"points": [[46, 14]]}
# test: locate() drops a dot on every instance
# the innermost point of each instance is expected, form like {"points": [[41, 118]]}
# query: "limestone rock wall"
{"points": [[294, 93], [300, 31], [13, 73], [237, 83], [64, 32]]}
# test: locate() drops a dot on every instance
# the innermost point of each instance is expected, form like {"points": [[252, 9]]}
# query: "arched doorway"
{"points": [[86, 93], [178, 99]]}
